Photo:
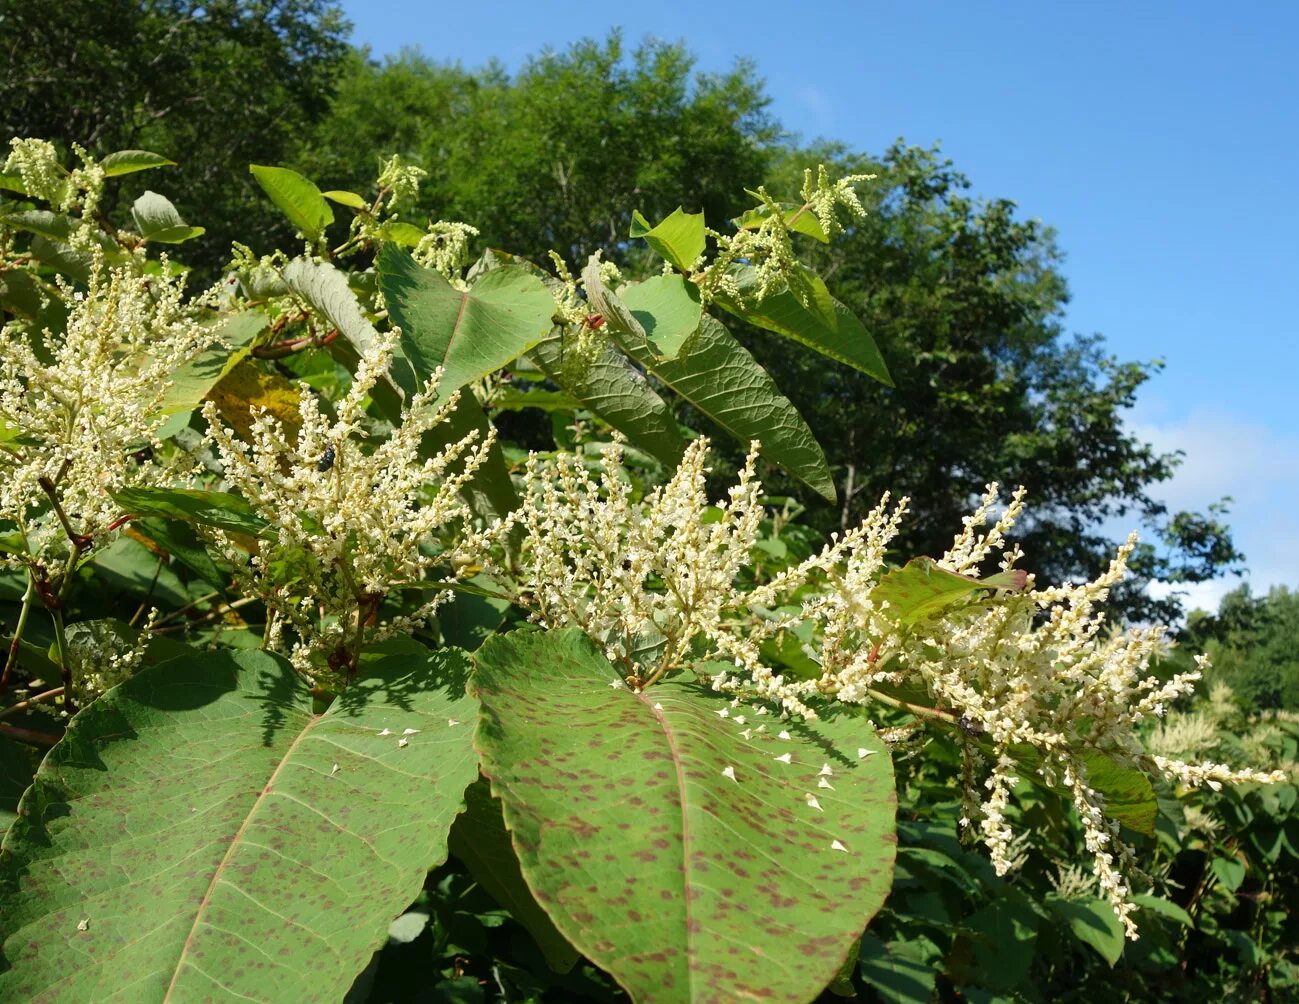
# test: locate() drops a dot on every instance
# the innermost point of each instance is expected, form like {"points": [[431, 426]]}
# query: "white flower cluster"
{"points": [[36, 162], [644, 578], [770, 245], [349, 521], [445, 248], [1030, 682], [80, 407]]}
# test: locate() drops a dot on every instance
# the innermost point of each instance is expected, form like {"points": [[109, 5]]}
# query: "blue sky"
{"points": [[1161, 141]]}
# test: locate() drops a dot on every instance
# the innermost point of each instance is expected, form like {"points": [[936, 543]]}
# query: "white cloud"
{"points": [[1258, 466]]}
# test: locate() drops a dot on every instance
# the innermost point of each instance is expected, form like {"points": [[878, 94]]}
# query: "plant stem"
{"points": [[65, 664], [31, 702], [19, 628], [918, 710], [28, 736]]}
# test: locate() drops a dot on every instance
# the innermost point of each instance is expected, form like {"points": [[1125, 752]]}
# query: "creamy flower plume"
{"points": [[81, 408], [349, 520]]}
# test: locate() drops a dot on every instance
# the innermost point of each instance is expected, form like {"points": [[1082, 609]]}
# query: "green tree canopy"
{"points": [[212, 85], [1254, 644], [550, 156]]}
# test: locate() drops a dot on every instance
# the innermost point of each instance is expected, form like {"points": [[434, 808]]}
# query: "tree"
{"points": [[554, 156], [1253, 642], [213, 85]]}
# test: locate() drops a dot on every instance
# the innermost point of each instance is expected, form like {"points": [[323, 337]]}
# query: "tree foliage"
{"points": [[1254, 644], [211, 85]]}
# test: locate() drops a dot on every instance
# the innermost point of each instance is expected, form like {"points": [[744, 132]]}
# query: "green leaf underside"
{"points": [[468, 334], [617, 393], [678, 239], [1128, 793], [297, 198], [159, 221], [682, 883], [668, 309], [479, 839], [202, 795], [922, 588], [897, 971], [719, 377], [219, 509], [827, 326], [130, 161]]}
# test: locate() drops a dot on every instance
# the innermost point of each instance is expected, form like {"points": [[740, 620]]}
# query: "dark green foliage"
{"points": [[212, 85], [1254, 644], [560, 154]]}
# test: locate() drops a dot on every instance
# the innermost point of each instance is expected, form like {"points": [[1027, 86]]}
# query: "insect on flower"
{"points": [[326, 460]]}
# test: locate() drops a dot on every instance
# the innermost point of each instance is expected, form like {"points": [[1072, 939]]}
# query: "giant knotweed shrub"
{"points": [[663, 740]]}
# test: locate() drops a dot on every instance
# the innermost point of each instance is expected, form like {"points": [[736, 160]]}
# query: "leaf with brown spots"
{"points": [[689, 862], [225, 842]]}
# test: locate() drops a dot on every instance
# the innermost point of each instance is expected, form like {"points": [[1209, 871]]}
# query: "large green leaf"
{"points": [[129, 161], [159, 221], [190, 383], [668, 309], [719, 377], [806, 312], [479, 839], [297, 198], [1093, 922], [899, 972], [679, 239], [922, 588], [201, 834], [617, 393], [467, 333], [219, 509], [690, 861]]}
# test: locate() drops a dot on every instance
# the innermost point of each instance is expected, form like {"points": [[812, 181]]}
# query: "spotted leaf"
{"points": [[682, 857]]}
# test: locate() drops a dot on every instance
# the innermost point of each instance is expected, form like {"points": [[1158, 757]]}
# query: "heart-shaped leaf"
{"points": [[690, 860], [467, 333], [679, 239], [201, 834]]}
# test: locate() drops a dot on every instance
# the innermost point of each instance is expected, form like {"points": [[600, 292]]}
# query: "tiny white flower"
{"points": [[835, 845], [747, 733], [823, 783], [785, 757], [616, 684], [657, 706], [729, 771], [863, 752], [333, 770], [453, 721], [83, 924], [722, 713], [739, 719], [826, 771], [409, 732], [403, 742], [811, 800], [783, 735], [385, 732]]}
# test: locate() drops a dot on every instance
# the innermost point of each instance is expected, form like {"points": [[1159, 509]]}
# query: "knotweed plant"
{"points": [[1032, 682], [349, 519], [80, 410]]}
